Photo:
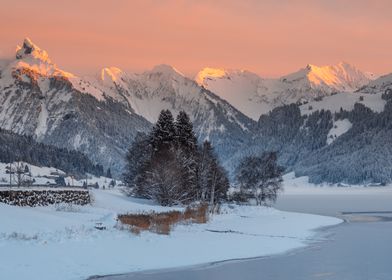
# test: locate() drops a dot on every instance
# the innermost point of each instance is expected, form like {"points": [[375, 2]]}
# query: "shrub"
{"points": [[163, 222], [197, 214]]}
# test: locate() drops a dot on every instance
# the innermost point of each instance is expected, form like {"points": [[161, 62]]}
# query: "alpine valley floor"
{"points": [[60, 242], [357, 249]]}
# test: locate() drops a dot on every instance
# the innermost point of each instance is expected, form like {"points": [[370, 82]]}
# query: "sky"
{"points": [[270, 38]]}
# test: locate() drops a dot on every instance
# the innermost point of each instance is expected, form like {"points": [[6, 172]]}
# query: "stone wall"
{"points": [[44, 197]]}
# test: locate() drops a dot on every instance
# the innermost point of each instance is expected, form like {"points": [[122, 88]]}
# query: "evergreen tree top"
{"points": [[164, 131], [185, 136]]}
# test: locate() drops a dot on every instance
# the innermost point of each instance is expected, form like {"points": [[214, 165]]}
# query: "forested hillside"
{"points": [[360, 154], [14, 147]]}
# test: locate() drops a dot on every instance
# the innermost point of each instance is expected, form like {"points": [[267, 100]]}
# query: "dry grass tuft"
{"points": [[197, 214], [162, 223], [141, 221]]}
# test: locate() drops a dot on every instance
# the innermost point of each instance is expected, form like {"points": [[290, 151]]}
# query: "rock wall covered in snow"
{"points": [[44, 197]]}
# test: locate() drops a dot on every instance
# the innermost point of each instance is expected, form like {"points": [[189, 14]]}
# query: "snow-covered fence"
{"points": [[26, 197]]}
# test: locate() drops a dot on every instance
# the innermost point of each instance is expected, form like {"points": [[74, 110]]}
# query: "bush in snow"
{"points": [[163, 222]]}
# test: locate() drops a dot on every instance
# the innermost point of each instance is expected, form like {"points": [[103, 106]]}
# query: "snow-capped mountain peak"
{"points": [[29, 56], [209, 73], [111, 73], [341, 77], [29, 49], [254, 96]]}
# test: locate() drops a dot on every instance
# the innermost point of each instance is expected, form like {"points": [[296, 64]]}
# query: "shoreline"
{"points": [[309, 242], [321, 235]]}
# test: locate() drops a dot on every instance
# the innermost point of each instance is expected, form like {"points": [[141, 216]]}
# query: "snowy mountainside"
{"points": [[380, 85], [242, 89], [254, 96], [101, 115], [341, 139], [164, 87], [39, 99], [345, 101]]}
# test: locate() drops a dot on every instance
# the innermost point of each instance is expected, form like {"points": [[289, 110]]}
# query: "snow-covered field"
{"points": [[60, 242]]}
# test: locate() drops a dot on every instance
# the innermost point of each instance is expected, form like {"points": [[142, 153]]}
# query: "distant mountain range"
{"points": [[254, 96], [237, 110]]}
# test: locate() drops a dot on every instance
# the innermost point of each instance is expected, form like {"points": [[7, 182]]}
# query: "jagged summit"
{"points": [[210, 73], [254, 95], [29, 49], [342, 77], [30, 56], [111, 74]]}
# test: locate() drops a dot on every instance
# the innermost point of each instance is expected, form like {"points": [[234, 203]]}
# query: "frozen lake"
{"points": [[359, 249]]}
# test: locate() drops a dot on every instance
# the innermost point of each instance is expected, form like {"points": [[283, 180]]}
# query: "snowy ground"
{"points": [[61, 242]]}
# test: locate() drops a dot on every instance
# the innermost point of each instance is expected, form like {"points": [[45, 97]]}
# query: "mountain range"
{"points": [[100, 115], [254, 96]]}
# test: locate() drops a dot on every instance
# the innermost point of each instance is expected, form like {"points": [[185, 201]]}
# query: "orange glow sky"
{"points": [[270, 38]]}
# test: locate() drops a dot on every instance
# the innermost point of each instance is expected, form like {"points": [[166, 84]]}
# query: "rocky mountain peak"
{"points": [[29, 49]]}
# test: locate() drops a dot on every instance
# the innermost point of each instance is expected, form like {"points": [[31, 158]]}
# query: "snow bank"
{"points": [[60, 243]]}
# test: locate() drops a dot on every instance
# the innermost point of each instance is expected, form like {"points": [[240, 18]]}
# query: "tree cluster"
{"points": [[168, 166], [15, 147], [260, 177]]}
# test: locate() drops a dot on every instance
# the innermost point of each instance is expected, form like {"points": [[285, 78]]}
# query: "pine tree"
{"points": [[185, 136], [186, 155], [163, 133]]}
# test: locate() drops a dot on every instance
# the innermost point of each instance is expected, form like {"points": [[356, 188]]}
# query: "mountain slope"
{"points": [[254, 96], [164, 87], [15, 147], [39, 99], [101, 115], [381, 85]]}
